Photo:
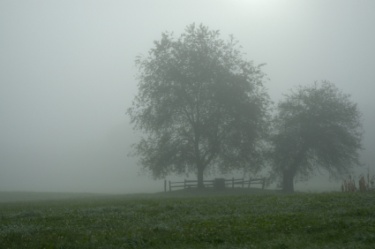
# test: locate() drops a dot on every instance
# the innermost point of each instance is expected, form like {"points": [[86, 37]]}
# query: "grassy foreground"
{"points": [[330, 220]]}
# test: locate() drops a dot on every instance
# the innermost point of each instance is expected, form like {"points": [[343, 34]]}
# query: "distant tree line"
{"points": [[201, 104]]}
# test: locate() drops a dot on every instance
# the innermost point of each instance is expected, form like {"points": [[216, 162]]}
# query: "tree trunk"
{"points": [[289, 173], [288, 180], [198, 160], [200, 176]]}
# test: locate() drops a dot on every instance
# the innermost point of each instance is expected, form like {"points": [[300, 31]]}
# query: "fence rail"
{"points": [[241, 182]]}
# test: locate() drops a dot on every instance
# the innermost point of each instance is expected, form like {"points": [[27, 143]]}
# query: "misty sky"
{"points": [[67, 76]]}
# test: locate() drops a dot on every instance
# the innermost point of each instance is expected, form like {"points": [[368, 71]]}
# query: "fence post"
{"points": [[165, 185], [263, 183], [170, 186], [243, 182], [184, 183], [232, 182]]}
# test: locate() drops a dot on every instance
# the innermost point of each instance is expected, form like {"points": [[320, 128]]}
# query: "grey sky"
{"points": [[68, 75]]}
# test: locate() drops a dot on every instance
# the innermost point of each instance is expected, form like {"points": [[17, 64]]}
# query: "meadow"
{"points": [[239, 220]]}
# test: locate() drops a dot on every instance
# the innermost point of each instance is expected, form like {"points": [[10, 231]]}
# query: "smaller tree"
{"points": [[316, 127]]}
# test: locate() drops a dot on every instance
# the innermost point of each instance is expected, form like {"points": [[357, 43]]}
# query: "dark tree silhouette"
{"points": [[199, 104], [316, 126]]}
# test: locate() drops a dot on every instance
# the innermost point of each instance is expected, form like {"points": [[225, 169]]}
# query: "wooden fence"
{"points": [[241, 182]]}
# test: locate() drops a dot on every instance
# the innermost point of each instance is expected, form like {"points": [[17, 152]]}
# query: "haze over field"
{"points": [[68, 76]]}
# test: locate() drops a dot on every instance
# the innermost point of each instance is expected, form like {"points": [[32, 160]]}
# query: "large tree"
{"points": [[199, 104], [317, 126]]}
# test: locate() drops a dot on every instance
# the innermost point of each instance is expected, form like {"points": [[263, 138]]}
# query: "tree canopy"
{"points": [[199, 104], [316, 127]]}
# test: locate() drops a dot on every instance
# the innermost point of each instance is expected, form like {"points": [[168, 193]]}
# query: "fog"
{"points": [[68, 76]]}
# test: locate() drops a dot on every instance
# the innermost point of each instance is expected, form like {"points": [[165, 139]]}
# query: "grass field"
{"points": [[192, 220]]}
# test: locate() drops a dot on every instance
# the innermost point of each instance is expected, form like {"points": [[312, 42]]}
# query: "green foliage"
{"points": [[334, 220], [316, 126], [199, 103]]}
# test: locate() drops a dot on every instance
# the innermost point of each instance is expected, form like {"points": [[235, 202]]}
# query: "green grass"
{"points": [[35, 196], [193, 220]]}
